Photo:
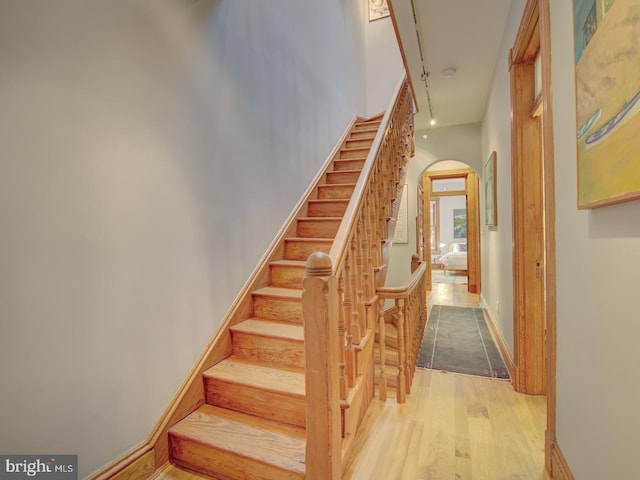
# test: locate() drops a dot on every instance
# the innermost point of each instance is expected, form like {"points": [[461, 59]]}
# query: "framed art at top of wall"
{"points": [[607, 64], [378, 9], [490, 200]]}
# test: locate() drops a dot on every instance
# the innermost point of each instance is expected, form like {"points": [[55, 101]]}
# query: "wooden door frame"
{"points": [[472, 194], [533, 138]]}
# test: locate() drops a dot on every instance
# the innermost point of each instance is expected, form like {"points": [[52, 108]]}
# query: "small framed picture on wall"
{"points": [[490, 200], [378, 9]]}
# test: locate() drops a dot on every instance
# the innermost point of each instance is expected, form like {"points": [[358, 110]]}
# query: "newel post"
{"points": [[320, 313]]}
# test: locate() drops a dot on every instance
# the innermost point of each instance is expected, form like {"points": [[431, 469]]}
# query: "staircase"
{"points": [[252, 424]]}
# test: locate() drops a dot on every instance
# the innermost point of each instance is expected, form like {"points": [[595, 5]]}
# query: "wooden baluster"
{"points": [[357, 245], [410, 319], [376, 258], [348, 318], [342, 341], [401, 396], [370, 319], [320, 312], [372, 264], [382, 382], [366, 254], [353, 293]]}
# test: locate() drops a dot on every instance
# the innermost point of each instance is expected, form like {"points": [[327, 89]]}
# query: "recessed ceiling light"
{"points": [[449, 72], [433, 121]]}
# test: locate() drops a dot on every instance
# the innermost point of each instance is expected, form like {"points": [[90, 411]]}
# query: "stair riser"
{"points": [[335, 191], [342, 177], [359, 143], [370, 126], [389, 341], [334, 208], [391, 358], [300, 250], [255, 401], [318, 228], [354, 153], [362, 135], [278, 309], [277, 352], [391, 376], [286, 276], [348, 164], [223, 464]]}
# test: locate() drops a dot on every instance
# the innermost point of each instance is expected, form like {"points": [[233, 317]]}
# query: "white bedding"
{"points": [[454, 261]]}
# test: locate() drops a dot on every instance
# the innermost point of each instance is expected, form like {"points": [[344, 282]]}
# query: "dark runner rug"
{"points": [[457, 339]]}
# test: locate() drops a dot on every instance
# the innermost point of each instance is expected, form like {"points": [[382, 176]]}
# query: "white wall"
{"points": [[150, 151], [598, 259], [383, 62], [460, 143], [496, 243]]}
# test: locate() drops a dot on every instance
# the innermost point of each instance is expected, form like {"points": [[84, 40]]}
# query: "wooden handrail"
{"points": [[401, 98], [339, 299], [392, 293], [411, 318]]}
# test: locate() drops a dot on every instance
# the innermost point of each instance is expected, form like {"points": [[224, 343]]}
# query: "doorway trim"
{"points": [[472, 194], [534, 36]]}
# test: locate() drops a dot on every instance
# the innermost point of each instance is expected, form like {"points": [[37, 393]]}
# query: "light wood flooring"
{"points": [[452, 427]]}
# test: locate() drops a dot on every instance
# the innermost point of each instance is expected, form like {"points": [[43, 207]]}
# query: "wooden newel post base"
{"points": [[320, 313]]}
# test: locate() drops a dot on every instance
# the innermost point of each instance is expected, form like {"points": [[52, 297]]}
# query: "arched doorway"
{"points": [[451, 239]]}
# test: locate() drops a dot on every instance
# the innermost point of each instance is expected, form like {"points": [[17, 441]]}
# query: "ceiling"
{"points": [[464, 34]]}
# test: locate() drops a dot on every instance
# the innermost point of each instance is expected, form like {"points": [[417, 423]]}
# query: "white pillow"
{"points": [[459, 247]]}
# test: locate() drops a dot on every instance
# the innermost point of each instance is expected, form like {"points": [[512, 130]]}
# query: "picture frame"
{"points": [[459, 223], [490, 191], [378, 9], [607, 73]]}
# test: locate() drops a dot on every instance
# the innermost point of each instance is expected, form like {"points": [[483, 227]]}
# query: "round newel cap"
{"points": [[319, 265]]}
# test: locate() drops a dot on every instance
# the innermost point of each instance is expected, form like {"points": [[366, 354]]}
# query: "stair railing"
{"points": [[410, 311], [339, 302]]}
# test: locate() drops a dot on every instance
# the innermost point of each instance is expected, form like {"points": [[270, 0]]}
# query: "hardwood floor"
{"points": [[451, 427], [452, 294]]}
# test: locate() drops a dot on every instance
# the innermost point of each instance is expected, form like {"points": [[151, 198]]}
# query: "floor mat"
{"points": [[457, 339]]}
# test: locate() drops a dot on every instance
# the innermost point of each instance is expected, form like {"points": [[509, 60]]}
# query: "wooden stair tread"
{"points": [[278, 292], [320, 219], [270, 328], [289, 263], [337, 185], [354, 149], [247, 436], [347, 160], [331, 200], [309, 239], [271, 379], [171, 472], [351, 170]]}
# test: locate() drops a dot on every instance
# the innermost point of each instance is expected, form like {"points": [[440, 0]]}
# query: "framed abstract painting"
{"points": [[607, 67], [459, 223]]}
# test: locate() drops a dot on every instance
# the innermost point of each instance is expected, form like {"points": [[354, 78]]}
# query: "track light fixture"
{"points": [[425, 73]]}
